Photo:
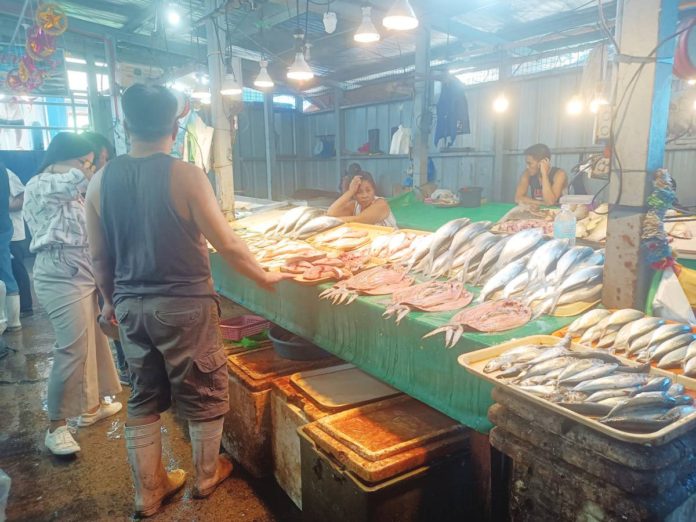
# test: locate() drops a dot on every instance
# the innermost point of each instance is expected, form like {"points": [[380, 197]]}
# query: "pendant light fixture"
{"points": [[400, 17], [264, 80], [300, 69], [230, 86], [367, 32], [200, 89]]}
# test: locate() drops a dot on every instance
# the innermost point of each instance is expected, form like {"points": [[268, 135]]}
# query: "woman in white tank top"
{"points": [[360, 203]]}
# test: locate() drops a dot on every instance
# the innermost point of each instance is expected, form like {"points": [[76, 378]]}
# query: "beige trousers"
{"points": [[83, 368]]}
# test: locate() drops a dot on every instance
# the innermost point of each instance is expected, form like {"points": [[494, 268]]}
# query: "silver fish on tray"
{"points": [[586, 321]]}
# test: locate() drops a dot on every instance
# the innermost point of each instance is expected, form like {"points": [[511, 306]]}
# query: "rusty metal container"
{"points": [[308, 396], [247, 430], [393, 460]]}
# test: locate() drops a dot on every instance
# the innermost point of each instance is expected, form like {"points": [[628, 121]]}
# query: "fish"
{"points": [[590, 335], [644, 400], [519, 245], [479, 246], [605, 357], [608, 394], [635, 329], [288, 220], [305, 218], [488, 260], [641, 368], [421, 247], [316, 225], [683, 400], [595, 372], [619, 318], [663, 333], [690, 367], [582, 278], [591, 293], [545, 257], [466, 234], [511, 355], [558, 350], [396, 241], [592, 409], [571, 258], [690, 352], [640, 343], [663, 348], [621, 380], [540, 390], [654, 384], [586, 321], [518, 284], [577, 367], [642, 422], [502, 278], [545, 367], [607, 340], [675, 389], [442, 238], [596, 259], [673, 359]]}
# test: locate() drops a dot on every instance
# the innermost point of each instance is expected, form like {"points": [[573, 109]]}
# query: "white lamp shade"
{"points": [[264, 80], [230, 87], [200, 91], [400, 17], [367, 32], [300, 70]]}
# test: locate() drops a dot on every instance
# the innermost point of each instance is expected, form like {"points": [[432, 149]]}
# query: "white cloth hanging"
{"points": [[401, 140]]}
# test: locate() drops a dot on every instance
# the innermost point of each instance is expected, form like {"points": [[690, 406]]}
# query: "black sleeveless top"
{"points": [[535, 189], [155, 252]]}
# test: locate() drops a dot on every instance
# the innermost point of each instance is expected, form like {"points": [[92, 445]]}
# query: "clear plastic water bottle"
{"points": [[564, 225]]}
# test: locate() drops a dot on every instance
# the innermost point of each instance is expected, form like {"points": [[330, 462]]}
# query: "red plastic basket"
{"points": [[237, 328]]}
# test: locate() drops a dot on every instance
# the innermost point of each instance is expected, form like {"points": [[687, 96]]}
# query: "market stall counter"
{"points": [[411, 213], [393, 353]]}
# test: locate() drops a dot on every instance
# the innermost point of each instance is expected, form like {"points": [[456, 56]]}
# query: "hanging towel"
{"points": [[401, 141], [452, 113]]}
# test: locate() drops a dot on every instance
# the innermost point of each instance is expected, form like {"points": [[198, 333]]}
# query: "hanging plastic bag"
{"points": [[670, 300]]}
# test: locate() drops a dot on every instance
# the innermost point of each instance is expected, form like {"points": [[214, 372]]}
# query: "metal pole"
{"points": [[640, 130], [269, 131], [500, 135], [422, 108], [222, 138], [339, 139]]}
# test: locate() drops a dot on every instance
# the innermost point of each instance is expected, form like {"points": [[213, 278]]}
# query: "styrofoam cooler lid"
{"points": [[339, 387], [384, 439], [259, 368]]}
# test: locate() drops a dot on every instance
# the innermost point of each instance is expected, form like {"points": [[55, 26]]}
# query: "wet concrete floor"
{"points": [[96, 485]]}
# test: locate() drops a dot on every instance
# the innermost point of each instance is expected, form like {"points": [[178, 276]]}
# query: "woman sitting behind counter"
{"points": [[540, 184], [360, 203]]}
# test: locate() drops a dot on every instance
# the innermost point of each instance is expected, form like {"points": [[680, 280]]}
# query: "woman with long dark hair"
{"points": [[83, 371]]}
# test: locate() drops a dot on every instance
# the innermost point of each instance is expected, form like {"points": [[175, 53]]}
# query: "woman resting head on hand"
{"points": [[360, 203]]}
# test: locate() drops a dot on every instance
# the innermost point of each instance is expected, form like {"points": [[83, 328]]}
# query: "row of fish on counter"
{"points": [[647, 339], [522, 275], [594, 383]]}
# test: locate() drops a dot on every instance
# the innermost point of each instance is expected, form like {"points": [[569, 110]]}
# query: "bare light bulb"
{"points": [[264, 80], [597, 103], [574, 106], [367, 32], [400, 17], [173, 16], [300, 70], [501, 103]]}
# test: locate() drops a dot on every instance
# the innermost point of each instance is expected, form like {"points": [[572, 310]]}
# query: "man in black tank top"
{"points": [[540, 184], [148, 217]]}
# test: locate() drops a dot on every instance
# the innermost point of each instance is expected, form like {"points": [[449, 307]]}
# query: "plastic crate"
{"points": [[237, 328]]}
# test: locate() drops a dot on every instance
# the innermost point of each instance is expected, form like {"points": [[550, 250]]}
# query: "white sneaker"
{"points": [[61, 442], [104, 411]]}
